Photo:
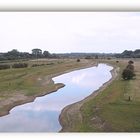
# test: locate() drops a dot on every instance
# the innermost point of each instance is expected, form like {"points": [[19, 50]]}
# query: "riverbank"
{"points": [[111, 110], [71, 116], [19, 99], [15, 98]]}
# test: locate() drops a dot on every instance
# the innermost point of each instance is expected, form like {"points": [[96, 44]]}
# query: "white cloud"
{"points": [[77, 79]]}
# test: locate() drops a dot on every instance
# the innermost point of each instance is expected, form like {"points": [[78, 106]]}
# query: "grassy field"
{"points": [[18, 83], [32, 80], [111, 111]]}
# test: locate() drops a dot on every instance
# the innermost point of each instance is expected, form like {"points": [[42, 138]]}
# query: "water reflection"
{"points": [[42, 114]]}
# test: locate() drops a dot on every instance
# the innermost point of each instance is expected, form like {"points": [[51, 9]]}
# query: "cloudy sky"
{"points": [[60, 32]]}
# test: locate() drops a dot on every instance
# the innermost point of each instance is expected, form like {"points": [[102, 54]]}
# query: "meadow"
{"points": [[111, 110], [21, 85], [114, 109]]}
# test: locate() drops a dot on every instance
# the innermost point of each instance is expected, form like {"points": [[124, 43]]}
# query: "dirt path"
{"points": [[71, 115]]}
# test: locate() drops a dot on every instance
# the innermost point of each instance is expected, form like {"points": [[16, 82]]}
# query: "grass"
{"points": [[111, 108], [110, 111], [31, 80]]}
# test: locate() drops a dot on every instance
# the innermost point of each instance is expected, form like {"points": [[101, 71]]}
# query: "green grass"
{"points": [[113, 108], [27, 80]]}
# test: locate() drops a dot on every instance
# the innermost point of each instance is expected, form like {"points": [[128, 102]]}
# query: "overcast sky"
{"points": [[59, 32]]}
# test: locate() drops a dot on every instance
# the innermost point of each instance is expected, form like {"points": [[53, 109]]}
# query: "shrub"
{"points": [[131, 67], [108, 58], [127, 74], [130, 62], [20, 65], [49, 63], [78, 60], [37, 65], [2, 67]]}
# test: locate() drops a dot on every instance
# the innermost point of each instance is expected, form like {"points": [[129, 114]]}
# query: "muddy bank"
{"points": [[19, 97], [71, 115]]}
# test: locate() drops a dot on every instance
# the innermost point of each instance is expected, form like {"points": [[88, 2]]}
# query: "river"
{"points": [[42, 115]]}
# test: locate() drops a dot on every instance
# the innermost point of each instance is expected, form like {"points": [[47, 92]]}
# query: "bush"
{"points": [[78, 60], [2, 67], [131, 67], [20, 65], [37, 65], [130, 62], [49, 63], [127, 74]]}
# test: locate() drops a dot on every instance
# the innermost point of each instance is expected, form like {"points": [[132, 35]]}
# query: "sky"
{"points": [[66, 32]]}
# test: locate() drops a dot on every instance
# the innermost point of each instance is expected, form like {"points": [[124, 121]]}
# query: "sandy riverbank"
{"points": [[20, 98], [72, 114]]}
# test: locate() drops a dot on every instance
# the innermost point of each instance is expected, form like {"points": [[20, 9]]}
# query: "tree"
{"points": [[127, 54], [37, 52], [46, 54], [13, 54], [128, 72]]}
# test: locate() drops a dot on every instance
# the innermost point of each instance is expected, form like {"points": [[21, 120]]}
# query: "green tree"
{"points": [[128, 72], [46, 54], [13, 54], [37, 53]]}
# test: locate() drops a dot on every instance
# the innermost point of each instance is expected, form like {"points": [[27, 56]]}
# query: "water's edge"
{"points": [[28, 99], [73, 110]]}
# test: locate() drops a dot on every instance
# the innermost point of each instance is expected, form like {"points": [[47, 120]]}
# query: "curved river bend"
{"points": [[42, 115]]}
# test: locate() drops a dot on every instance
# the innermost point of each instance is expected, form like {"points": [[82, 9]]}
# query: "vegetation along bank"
{"points": [[24, 84], [113, 108]]}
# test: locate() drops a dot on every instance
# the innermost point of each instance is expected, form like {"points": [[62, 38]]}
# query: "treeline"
{"points": [[129, 54], [86, 55], [36, 53]]}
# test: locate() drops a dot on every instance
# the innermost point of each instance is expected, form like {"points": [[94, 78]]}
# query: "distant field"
{"points": [[111, 111]]}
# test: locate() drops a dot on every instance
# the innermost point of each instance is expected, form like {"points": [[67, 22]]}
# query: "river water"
{"points": [[42, 115]]}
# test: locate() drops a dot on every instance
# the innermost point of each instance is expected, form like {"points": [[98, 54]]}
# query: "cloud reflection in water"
{"points": [[42, 114]]}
